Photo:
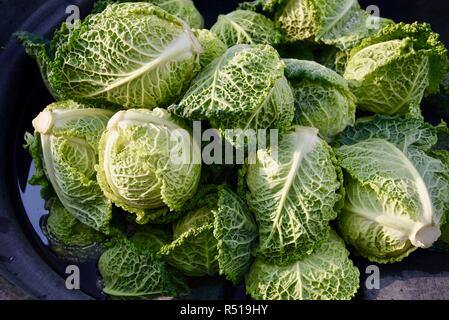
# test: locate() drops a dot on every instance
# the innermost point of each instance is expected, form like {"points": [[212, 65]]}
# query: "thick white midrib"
{"points": [[342, 13], [305, 144], [177, 48], [406, 226], [422, 191], [299, 287], [130, 117]]}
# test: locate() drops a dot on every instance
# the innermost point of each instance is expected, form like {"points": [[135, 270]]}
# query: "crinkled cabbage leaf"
{"points": [[326, 274], [294, 190], [219, 236], [341, 23], [244, 89], [322, 98], [131, 272], [183, 9], [212, 46], [148, 160], [246, 27], [130, 54]]}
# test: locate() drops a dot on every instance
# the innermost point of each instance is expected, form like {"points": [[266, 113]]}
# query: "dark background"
{"points": [[14, 12]]}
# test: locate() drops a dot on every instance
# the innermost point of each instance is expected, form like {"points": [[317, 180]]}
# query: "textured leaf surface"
{"points": [[67, 230], [148, 160], [130, 54], [391, 71], [341, 23], [246, 27], [327, 274], [395, 199], [293, 197], [244, 89], [212, 46], [403, 133], [194, 252], [184, 9], [236, 233], [69, 154], [129, 272], [322, 97]]}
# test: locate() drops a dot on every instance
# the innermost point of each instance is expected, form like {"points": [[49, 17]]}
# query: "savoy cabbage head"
{"points": [[341, 23], [326, 274], [391, 71], [183, 9], [294, 190], [217, 236], [322, 97], [246, 27], [65, 152], [148, 160], [243, 89], [130, 54], [397, 192]]}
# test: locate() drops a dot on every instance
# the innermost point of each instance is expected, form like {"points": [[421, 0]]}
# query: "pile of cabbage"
{"points": [[355, 167]]}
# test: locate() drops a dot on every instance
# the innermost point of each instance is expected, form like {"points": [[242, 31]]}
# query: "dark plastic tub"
{"points": [[29, 270]]}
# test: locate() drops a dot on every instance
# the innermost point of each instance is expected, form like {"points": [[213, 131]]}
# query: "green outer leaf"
{"points": [[33, 145], [246, 27], [327, 274], [236, 234], [67, 230], [161, 57], [341, 23], [136, 170], [184, 9], [297, 70], [194, 253], [322, 97], [424, 43], [212, 46], [37, 47], [389, 78], [150, 238], [244, 89], [294, 197], [375, 241], [129, 272], [266, 6], [403, 133]]}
